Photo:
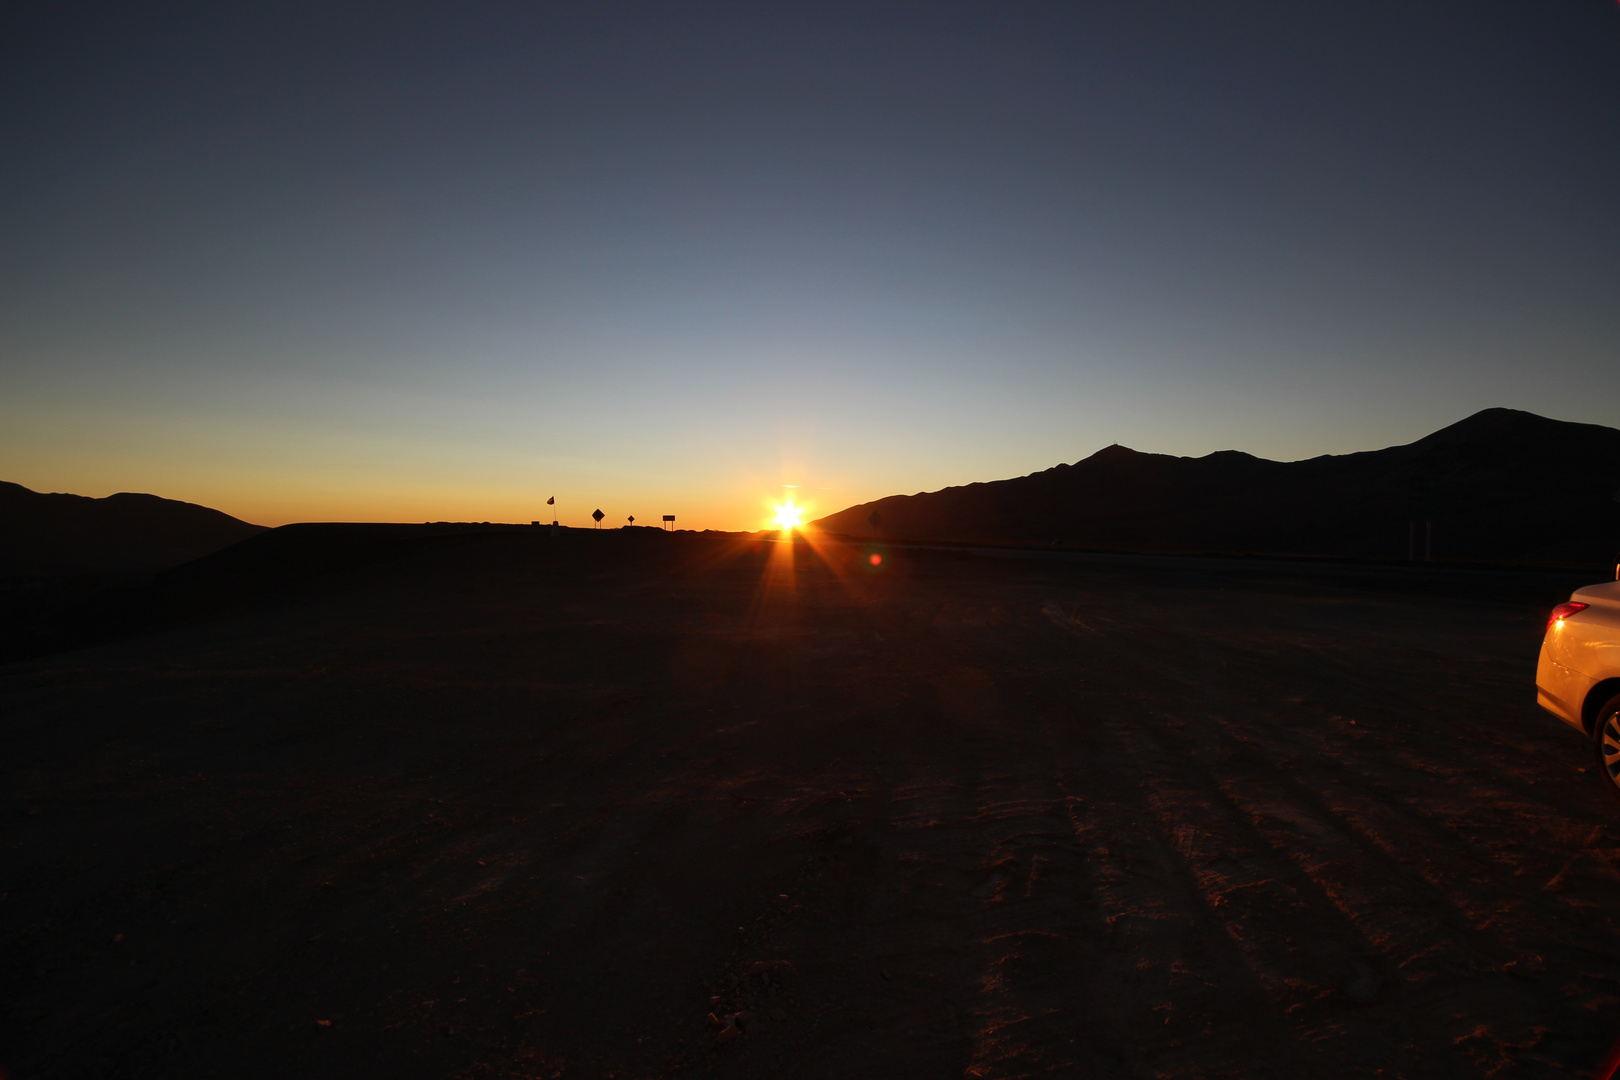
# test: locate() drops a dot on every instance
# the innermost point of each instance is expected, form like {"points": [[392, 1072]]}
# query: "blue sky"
{"points": [[409, 262]]}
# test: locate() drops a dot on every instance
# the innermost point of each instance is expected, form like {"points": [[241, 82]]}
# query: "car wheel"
{"points": [[1606, 744]]}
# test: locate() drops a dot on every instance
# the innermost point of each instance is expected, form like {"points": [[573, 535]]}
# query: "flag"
{"points": [[552, 501]]}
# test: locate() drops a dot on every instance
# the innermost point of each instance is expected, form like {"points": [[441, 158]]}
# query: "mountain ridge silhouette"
{"points": [[1501, 484], [127, 535]]}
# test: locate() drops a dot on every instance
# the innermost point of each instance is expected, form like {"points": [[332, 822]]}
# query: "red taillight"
{"points": [[1564, 611]]}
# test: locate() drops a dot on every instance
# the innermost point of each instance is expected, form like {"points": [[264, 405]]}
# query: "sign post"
{"points": [[1422, 499], [875, 520], [598, 515], [669, 520]]}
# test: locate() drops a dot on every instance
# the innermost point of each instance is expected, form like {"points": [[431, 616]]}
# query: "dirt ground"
{"points": [[529, 807]]}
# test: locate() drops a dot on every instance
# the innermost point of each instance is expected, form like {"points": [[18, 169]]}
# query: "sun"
{"points": [[788, 516]]}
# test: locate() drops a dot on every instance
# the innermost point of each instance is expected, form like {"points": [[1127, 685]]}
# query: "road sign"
{"points": [[598, 515], [1422, 498], [632, 519], [875, 520]]}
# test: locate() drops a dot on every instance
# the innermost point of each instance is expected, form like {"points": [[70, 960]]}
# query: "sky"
{"points": [[418, 262]]}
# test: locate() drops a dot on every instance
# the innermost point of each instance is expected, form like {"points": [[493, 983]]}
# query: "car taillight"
{"points": [[1564, 611]]}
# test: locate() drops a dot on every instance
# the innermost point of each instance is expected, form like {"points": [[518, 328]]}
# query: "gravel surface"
{"points": [[641, 806]]}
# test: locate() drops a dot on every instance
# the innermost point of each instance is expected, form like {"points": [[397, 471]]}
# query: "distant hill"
{"points": [[122, 536], [1500, 485]]}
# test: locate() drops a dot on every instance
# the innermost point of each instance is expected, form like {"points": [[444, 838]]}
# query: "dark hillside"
{"points": [[121, 536], [1500, 485]]}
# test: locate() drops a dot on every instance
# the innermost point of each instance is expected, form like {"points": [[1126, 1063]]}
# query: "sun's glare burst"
{"points": [[788, 516]]}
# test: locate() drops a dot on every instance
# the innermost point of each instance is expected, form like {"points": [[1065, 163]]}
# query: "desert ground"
{"points": [[529, 806]]}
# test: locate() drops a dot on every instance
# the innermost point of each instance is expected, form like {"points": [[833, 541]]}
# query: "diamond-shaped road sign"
{"points": [[598, 515]]}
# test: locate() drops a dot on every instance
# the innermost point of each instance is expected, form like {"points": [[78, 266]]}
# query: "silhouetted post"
{"points": [[1421, 497], [598, 515], [875, 520], [669, 520], [632, 519], [552, 502]]}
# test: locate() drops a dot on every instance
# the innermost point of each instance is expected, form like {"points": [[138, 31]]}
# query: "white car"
{"points": [[1578, 676]]}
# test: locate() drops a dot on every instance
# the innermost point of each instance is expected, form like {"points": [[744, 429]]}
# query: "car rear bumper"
{"points": [[1561, 691]]}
